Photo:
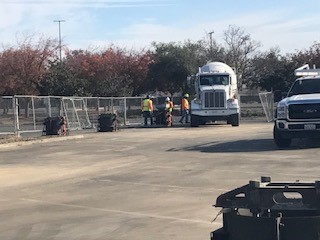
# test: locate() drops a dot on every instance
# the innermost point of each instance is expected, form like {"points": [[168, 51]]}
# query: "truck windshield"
{"points": [[214, 80], [306, 86]]}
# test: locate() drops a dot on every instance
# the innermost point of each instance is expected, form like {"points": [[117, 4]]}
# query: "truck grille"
{"points": [[214, 99], [304, 111]]}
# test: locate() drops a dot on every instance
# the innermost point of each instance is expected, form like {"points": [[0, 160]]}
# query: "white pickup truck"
{"points": [[298, 115]]}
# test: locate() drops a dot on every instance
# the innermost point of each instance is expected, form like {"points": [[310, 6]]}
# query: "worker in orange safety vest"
{"points": [[185, 108]]}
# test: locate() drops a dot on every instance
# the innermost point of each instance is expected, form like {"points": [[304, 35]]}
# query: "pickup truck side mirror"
{"points": [[277, 95]]}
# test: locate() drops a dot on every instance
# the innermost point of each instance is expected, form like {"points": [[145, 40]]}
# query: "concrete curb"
{"points": [[45, 140]]}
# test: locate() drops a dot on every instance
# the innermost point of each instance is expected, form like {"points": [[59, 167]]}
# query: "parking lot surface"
{"points": [[139, 183]]}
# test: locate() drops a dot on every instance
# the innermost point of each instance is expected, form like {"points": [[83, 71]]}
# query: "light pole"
{"points": [[59, 21], [211, 46]]}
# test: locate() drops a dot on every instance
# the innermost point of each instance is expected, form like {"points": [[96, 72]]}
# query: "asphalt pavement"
{"points": [[139, 183]]}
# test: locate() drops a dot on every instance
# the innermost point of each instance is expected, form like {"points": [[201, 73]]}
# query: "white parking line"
{"points": [[135, 214], [125, 164], [123, 149], [202, 189]]}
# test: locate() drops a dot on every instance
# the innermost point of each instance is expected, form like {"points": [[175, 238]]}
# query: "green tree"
{"points": [[172, 63], [61, 81], [271, 71], [310, 56]]}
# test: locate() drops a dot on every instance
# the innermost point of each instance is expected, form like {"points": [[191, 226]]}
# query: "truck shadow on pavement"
{"points": [[251, 145]]}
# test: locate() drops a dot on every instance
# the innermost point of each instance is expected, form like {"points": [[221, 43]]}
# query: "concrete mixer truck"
{"points": [[216, 95]]}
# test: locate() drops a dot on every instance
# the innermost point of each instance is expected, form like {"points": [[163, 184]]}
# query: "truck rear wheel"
{"points": [[235, 120], [280, 141], [195, 120]]}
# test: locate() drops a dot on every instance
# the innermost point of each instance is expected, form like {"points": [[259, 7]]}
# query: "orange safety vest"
{"points": [[147, 105], [184, 104]]}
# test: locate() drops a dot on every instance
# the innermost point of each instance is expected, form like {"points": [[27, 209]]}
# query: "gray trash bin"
{"points": [[52, 125], [107, 122]]}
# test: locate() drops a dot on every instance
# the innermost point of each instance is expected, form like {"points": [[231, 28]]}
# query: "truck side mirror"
{"points": [[190, 80], [277, 95]]}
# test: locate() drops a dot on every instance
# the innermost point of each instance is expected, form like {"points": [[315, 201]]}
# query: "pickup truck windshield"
{"points": [[214, 80], [306, 86]]}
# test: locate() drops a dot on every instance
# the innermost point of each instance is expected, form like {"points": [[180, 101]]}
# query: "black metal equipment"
{"points": [[270, 211], [52, 125], [107, 122]]}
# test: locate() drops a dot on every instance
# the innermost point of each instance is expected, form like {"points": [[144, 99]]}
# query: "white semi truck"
{"points": [[216, 95]]}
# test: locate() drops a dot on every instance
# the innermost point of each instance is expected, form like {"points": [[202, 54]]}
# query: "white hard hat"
{"points": [[167, 99]]}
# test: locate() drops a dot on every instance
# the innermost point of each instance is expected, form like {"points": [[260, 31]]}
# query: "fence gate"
{"points": [[76, 113], [267, 102]]}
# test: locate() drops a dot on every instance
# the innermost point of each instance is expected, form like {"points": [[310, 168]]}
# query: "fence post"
{"points": [[15, 103], [49, 107], [112, 107], [98, 105], [125, 111], [239, 101], [62, 111], [33, 114]]}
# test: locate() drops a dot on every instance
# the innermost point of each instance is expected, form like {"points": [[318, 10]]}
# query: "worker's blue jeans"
{"points": [[184, 115]]}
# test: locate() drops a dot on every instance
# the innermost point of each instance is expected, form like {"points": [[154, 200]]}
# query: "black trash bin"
{"points": [[52, 125], [107, 122], [270, 211], [160, 116]]}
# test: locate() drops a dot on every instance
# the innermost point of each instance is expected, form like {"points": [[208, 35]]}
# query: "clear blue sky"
{"points": [[288, 24]]}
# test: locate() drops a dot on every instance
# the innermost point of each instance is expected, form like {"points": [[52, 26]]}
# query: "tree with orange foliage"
{"points": [[23, 67], [113, 72]]}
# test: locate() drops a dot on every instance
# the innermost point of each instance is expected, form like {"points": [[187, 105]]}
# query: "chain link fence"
{"points": [[22, 114], [7, 124]]}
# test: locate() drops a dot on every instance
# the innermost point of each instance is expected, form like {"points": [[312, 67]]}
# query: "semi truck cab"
{"points": [[216, 95]]}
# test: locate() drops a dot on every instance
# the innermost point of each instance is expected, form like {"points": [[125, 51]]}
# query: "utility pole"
{"points": [[211, 45], [59, 21]]}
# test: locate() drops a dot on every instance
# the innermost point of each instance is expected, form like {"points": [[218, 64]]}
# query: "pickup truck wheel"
{"points": [[195, 121], [235, 120], [279, 140]]}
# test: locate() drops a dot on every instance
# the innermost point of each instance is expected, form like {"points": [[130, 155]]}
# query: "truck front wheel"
{"points": [[280, 141], [195, 121], [235, 120]]}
